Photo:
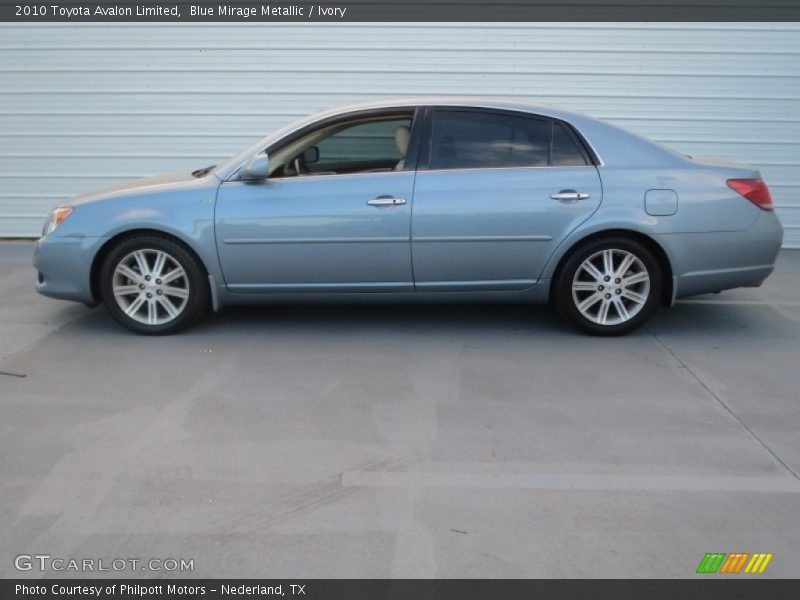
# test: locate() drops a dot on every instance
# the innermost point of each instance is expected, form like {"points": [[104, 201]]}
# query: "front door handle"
{"points": [[569, 195], [386, 201]]}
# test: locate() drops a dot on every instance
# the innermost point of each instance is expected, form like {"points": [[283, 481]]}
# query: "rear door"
{"points": [[495, 194]]}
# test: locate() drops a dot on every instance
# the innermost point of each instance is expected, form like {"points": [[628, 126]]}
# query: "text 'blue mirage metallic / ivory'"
{"points": [[430, 199]]}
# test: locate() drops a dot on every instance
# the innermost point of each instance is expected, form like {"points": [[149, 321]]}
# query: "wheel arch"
{"points": [[644, 239], [100, 256]]}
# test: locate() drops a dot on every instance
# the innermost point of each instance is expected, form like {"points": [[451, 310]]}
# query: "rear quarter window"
{"points": [[566, 151]]}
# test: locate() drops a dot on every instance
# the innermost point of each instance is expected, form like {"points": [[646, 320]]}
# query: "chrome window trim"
{"points": [[505, 168], [417, 172], [600, 162], [315, 177]]}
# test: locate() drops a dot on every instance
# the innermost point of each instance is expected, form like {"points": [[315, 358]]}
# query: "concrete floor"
{"points": [[402, 441]]}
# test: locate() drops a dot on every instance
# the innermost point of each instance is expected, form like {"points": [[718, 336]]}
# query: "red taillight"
{"points": [[754, 190]]}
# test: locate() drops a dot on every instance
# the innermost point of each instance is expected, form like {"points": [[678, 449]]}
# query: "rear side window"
{"points": [[566, 152], [474, 139], [462, 139]]}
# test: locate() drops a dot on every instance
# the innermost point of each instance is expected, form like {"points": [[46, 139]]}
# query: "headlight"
{"points": [[56, 217]]}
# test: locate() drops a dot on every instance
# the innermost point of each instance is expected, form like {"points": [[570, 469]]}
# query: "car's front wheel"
{"points": [[153, 285], [609, 286]]}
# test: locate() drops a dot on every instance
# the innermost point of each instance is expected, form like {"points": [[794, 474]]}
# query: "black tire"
{"points": [[566, 302], [195, 281]]}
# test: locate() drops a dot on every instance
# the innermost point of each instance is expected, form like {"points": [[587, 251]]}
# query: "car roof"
{"points": [[461, 101]]}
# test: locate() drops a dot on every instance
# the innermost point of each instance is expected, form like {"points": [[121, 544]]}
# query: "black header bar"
{"points": [[333, 11]]}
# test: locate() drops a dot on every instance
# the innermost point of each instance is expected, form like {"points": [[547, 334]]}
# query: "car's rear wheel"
{"points": [[609, 286], [153, 285]]}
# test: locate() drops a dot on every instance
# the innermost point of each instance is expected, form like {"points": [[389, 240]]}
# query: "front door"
{"points": [[500, 192], [334, 215]]}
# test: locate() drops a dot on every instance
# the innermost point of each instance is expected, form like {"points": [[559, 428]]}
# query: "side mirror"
{"points": [[311, 155], [256, 168]]}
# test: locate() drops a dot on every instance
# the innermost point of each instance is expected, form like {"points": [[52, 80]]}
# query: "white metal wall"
{"points": [[82, 106]]}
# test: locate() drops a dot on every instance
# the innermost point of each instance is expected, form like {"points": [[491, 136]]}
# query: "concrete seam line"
{"points": [[722, 403], [30, 343], [742, 302], [577, 482]]}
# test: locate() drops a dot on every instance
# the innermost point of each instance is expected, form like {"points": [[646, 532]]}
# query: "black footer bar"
{"points": [[711, 588]]}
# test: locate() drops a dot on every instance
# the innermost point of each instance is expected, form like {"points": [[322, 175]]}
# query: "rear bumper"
{"points": [[716, 261], [64, 266], [704, 282]]}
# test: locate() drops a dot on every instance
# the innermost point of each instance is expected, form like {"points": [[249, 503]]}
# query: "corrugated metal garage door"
{"points": [[82, 106]]}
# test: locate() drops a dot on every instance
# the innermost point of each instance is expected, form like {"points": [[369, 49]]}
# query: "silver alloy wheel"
{"points": [[150, 286], [611, 287]]}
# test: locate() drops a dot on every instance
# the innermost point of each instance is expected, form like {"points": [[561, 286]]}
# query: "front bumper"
{"points": [[64, 266]]}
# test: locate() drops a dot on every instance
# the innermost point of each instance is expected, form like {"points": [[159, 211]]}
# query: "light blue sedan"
{"points": [[435, 199]]}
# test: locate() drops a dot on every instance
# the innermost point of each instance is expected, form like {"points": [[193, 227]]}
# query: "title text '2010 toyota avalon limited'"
{"points": [[430, 199]]}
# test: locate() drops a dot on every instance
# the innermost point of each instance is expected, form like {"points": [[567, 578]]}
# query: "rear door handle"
{"points": [[386, 201], [569, 195]]}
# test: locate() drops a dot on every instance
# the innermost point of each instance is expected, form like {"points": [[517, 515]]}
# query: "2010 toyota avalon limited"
{"points": [[431, 199]]}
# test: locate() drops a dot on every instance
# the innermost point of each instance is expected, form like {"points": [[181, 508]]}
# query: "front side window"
{"points": [[364, 145], [469, 139], [371, 142]]}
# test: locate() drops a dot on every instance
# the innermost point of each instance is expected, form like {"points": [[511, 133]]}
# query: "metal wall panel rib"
{"points": [[82, 106]]}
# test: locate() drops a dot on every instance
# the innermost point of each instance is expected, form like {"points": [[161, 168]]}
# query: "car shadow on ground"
{"points": [[685, 320], [362, 318]]}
